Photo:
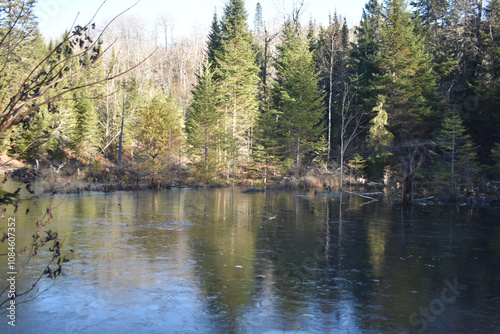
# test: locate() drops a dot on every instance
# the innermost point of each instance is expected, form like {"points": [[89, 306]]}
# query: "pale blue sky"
{"points": [[55, 16]]}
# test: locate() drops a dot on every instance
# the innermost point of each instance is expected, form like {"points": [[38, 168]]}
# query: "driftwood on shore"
{"points": [[371, 196]]}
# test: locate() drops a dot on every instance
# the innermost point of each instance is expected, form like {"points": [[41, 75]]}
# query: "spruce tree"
{"points": [[214, 43], [363, 62], [405, 75], [485, 117], [204, 126], [21, 49], [86, 132], [19, 36], [297, 98], [459, 151], [85, 136], [238, 81]]}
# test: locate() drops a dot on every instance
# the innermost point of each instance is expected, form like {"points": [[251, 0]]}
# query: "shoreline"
{"points": [[75, 181]]}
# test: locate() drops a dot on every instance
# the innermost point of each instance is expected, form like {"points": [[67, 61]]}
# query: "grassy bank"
{"points": [[74, 177]]}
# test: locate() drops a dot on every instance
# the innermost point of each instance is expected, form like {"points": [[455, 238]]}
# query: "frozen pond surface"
{"points": [[220, 261]]}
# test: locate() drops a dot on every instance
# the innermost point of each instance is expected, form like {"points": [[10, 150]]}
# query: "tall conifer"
{"points": [[405, 74], [238, 79], [297, 98], [204, 126]]}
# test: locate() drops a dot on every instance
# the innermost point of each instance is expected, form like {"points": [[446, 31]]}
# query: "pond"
{"points": [[222, 261]]}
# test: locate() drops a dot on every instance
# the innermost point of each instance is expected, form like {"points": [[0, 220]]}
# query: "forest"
{"points": [[408, 98]]}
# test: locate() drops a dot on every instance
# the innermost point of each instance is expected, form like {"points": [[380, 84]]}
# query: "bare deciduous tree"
{"points": [[73, 57]]}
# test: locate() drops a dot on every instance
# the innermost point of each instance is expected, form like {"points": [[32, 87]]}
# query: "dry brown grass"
{"points": [[313, 179]]}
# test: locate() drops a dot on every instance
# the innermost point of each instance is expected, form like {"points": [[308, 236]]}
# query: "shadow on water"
{"points": [[221, 261]]}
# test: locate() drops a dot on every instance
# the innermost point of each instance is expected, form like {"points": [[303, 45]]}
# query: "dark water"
{"points": [[219, 261]]}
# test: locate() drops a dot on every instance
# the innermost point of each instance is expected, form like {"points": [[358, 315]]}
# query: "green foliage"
{"points": [[85, 134], [495, 155], [237, 80], [484, 115], [205, 131], [460, 153], [365, 53], [296, 99], [214, 46], [407, 67], [20, 41], [21, 46], [47, 135], [357, 164], [160, 125], [405, 75], [160, 134], [379, 137]]}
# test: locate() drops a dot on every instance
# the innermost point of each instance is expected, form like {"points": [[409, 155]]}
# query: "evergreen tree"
{"points": [[204, 127], [214, 44], [259, 20], [379, 137], [160, 135], [238, 81], [485, 117], [297, 98], [20, 41], [455, 35], [261, 49], [86, 136], [86, 132], [21, 46], [459, 151], [405, 75], [365, 55], [495, 156]]}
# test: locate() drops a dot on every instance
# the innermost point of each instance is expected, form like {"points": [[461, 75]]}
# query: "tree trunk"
{"points": [[206, 151], [341, 168], [121, 133], [407, 186], [297, 165], [330, 109]]}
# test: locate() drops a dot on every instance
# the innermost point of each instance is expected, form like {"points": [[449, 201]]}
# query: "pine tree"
{"points": [[262, 47], [297, 98], [357, 164], [21, 45]]}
